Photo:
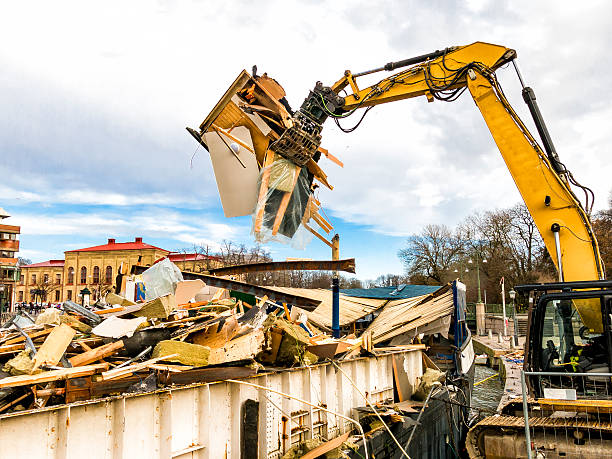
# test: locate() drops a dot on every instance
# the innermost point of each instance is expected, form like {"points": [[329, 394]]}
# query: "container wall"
{"points": [[203, 420]]}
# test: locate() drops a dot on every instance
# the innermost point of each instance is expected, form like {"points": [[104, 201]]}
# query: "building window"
{"points": [[83, 275], [33, 278], [58, 278], [96, 275], [69, 295], [57, 295], [21, 279], [70, 275], [108, 276], [46, 279], [20, 297]]}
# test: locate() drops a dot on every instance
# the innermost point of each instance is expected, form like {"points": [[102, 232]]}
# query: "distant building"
{"points": [[9, 269], [96, 268]]}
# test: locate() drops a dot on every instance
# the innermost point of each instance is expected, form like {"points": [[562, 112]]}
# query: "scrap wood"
{"points": [[326, 447], [217, 334], [32, 335], [52, 375], [244, 347], [96, 354], [124, 371], [331, 157], [14, 402], [54, 347], [169, 367], [106, 311]]}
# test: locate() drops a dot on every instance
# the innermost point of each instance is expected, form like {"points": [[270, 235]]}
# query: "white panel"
{"points": [[198, 421]]}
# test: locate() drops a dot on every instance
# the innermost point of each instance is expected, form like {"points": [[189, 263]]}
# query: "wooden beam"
{"points": [[326, 447], [95, 354], [52, 375], [33, 335]]}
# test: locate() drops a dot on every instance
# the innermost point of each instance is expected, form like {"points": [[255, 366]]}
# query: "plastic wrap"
{"points": [[284, 190], [161, 279]]}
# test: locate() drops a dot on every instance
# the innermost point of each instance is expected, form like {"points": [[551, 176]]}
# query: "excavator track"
{"points": [[508, 434]]}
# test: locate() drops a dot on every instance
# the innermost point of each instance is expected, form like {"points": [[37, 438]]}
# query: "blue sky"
{"points": [[96, 98]]}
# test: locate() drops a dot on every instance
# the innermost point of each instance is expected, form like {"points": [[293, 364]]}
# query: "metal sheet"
{"points": [[202, 420]]}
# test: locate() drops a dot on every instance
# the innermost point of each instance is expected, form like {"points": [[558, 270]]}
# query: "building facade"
{"points": [[9, 268], [95, 267]]}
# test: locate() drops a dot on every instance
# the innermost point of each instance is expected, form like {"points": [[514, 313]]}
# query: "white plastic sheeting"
{"points": [[203, 420]]}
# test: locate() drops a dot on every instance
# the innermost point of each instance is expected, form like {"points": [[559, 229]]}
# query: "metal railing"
{"points": [[573, 416]]}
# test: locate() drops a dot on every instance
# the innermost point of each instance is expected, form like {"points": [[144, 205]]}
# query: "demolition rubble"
{"points": [[161, 330]]}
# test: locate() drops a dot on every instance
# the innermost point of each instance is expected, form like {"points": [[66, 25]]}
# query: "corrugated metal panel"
{"points": [[391, 293], [202, 420]]}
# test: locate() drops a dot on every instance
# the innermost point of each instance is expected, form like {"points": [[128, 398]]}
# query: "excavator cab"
{"points": [[569, 332]]}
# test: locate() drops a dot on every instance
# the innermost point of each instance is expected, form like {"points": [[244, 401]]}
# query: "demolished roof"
{"points": [[411, 316]]}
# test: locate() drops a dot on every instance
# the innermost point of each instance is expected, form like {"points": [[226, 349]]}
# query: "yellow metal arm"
{"points": [[546, 194]]}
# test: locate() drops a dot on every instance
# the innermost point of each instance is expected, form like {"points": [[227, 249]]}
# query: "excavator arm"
{"points": [[541, 178]]}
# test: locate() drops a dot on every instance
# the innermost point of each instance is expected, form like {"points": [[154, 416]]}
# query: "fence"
{"points": [[571, 418]]}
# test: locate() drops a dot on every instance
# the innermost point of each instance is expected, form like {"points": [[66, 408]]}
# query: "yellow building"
{"points": [[95, 267]]}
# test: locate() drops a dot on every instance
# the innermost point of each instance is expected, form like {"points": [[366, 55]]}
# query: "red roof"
{"points": [[175, 256], [47, 264], [112, 245]]}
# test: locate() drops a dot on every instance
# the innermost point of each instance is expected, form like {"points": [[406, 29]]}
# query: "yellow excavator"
{"points": [[568, 349], [569, 321]]}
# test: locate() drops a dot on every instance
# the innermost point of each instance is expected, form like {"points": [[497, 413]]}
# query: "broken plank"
{"points": [[217, 334], [33, 335], [244, 347], [95, 354], [52, 350], [52, 375], [326, 447], [119, 372]]}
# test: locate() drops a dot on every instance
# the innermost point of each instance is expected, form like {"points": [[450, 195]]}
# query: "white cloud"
{"points": [[112, 106]]}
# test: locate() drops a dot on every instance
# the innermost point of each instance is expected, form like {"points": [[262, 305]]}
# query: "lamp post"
{"points": [[484, 260], [480, 307], [512, 294], [85, 293]]}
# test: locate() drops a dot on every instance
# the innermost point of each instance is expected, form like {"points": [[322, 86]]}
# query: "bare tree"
{"points": [[429, 255]]}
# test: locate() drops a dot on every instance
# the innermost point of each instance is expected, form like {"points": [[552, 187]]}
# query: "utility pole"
{"points": [[336, 289], [503, 294]]}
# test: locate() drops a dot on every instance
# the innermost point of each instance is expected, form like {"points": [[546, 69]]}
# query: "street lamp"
{"points": [[484, 260], [512, 294], [85, 293]]}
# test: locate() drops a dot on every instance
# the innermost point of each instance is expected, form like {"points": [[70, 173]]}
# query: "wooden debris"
{"points": [[216, 334], [52, 350], [52, 375], [120, 372], [245, 347], [96, 354], [326, 447]]}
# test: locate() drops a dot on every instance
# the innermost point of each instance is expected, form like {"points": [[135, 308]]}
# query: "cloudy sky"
{"points": [[96, 97]]}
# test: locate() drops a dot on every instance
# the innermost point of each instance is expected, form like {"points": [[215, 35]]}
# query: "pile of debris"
{"points": [[155, 334]]}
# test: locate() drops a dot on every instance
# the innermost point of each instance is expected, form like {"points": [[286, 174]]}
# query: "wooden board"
{"points": [[52, 350], [242, 348], [326, 447], [52, 375], [95, 354], [217, 334]]}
